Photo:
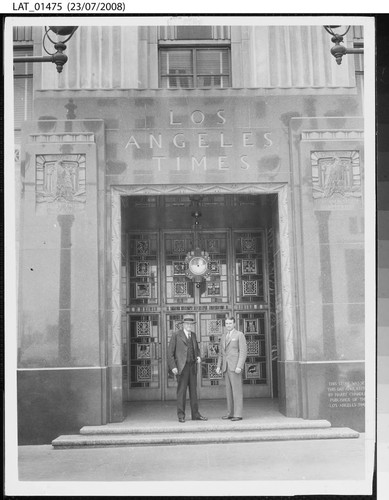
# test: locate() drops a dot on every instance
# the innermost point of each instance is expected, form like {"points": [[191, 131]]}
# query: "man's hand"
{"points": [[198, 359], [218, 370], [175, 371], [238, 370]]}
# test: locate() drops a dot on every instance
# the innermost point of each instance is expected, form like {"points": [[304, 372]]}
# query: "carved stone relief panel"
{"points": [[60, 182], [336, 179]]}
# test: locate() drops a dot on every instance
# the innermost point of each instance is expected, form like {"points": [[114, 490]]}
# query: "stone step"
{"points": [[186, 438], [208, 426]]}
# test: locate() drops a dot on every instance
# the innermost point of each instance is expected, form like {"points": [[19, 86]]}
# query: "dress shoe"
{"points": [[227, 417], [181, 419], [234, 419], [199, 417]]}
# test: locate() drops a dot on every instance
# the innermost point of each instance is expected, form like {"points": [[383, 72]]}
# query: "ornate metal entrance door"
{"points": [[252, 308], [144, 376], [157, 293], [145, 380], [208, 300]]}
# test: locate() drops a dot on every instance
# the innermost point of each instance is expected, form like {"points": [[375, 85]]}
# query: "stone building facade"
{"points": [[256, 128]]}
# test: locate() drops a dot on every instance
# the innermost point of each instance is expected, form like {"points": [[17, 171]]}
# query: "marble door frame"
{"points": [[114, 312]]}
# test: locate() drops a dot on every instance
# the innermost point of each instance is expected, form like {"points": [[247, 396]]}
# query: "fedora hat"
{"points": [[188, 318]]}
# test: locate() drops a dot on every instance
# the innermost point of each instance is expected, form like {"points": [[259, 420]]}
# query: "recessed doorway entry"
{"points": [[237, 232]]}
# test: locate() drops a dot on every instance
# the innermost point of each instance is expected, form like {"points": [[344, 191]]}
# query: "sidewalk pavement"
{"points": [[313, 466], [293, 467], [282, 460]]}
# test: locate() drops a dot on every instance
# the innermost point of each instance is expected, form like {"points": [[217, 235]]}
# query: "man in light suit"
{"points": [[232, 355], [183, 357]]}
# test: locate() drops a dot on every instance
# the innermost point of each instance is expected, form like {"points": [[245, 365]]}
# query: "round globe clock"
{"points": [[197, 265]]}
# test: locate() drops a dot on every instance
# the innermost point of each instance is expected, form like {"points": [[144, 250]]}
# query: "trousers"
{"points": [[234, 392], [187, 378]]}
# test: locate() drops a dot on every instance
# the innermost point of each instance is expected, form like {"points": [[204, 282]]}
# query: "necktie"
{"points": [[190, 354]]}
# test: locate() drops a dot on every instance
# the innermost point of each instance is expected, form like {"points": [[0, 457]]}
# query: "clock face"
{"points": [[198, 265]]}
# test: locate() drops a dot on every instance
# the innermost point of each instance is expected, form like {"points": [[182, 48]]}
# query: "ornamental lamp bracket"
{"points": [[57, 57], [339, 50]]}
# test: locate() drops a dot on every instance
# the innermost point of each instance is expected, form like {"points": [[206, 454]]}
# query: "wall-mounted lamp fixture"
{"points": [[338, 50], [58, 57]]}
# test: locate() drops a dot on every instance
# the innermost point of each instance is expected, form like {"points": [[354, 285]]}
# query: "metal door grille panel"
{"points": [[178, 288], [215, 289], [211, 329], [253, 325], [143, 286], [249, 267], [143, 352]]}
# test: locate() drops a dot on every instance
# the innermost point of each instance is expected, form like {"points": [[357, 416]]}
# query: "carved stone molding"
{"points": [[286, 290], [332, 135], [286, 293], [203, 189], [65, 137], [116, 310]]}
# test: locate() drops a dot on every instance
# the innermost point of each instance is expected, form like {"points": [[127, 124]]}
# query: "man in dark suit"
{"points": [[183, 357], [232, 355]]}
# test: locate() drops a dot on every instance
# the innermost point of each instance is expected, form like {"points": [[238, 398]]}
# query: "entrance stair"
{"points": [[155, 423]]}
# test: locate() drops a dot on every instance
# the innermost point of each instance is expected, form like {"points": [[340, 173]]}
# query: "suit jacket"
{"points": [[232, 354], [178, 350]]}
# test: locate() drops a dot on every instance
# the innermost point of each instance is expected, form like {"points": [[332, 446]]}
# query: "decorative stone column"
{"points": [[62, 368], [65, 290]]}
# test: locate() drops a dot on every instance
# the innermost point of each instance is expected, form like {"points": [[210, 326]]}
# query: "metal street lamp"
{"points": [[58, 57], [338, 50]]}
